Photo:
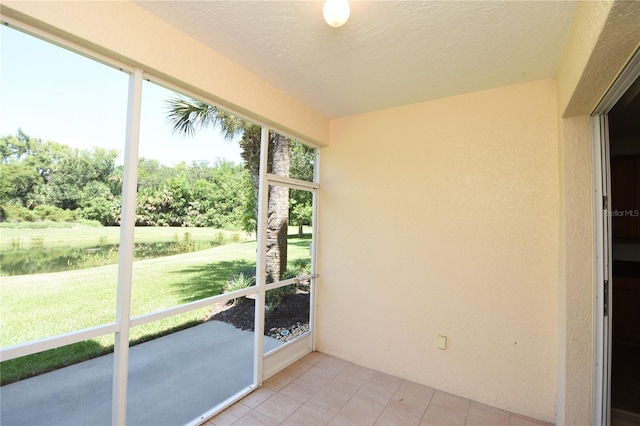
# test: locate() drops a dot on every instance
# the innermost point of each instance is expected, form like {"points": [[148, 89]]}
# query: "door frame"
{"points": [[602, 289], [270, 363]]}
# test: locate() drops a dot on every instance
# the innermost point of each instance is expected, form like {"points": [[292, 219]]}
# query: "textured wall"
{"points": [[603, 36], [576, 283], [442, 218], [122, 30]]}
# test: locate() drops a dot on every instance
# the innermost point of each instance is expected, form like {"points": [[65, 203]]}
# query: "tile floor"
{"points": [[323, 390]]}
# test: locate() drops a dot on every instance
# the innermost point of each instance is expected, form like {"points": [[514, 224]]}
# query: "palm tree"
{"points": [[187, 116]]}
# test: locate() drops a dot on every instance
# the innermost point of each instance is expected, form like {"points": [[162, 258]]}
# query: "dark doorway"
{"points": [[624, 136]]}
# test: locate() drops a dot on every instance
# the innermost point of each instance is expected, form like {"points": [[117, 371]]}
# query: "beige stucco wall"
{"points": [[575, 286], [603, 36], [125, 32], [441, 218], [602, 39]]}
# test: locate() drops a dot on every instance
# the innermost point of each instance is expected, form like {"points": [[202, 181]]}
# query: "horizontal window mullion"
{"points": [[283, 283], [291, 182], [188, 307], [295, 280], [53, 342]]}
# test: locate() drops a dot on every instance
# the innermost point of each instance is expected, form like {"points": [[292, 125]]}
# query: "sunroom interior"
{"points": [[454, 187]]}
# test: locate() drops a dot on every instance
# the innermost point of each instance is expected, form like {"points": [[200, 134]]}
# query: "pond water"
{"points": [[45, 260]]}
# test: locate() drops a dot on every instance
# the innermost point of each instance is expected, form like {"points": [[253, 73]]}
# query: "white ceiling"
{"points": [[389, 53]]}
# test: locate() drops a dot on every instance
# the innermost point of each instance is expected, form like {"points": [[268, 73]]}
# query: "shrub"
{"points": [[15, 213], [239, 281], [276, 296], [298, 267], [245, 277], [99, 209], [53, 213]]}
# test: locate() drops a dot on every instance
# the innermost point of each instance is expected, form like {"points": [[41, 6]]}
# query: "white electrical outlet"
{"points": [[442, 342]]}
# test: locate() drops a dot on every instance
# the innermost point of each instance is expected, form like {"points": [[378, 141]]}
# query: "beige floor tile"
{"points": [[315, 378], [313, 358], [455, 404], [481, 414], [439, 416], [520, 420], [306, 415], [296, 369], [332, 397], [384, 382], [253, 418], [357, 370], [365, 406], [333, 364], [354, 415], [354, 374], [257, 397], [373, 396], [346, 378], [413, 394], [446, 409], [341, 388], [278, 407], [341, 420], [321, 390], [312, 386], [401, 413], [298, 392], [230, 415], [278, 381]]}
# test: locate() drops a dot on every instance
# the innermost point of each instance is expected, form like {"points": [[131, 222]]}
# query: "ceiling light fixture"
{"points": [[336, 12]]}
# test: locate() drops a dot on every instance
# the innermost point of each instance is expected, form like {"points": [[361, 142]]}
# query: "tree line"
{"points": [[42, 180], [285, 157]]}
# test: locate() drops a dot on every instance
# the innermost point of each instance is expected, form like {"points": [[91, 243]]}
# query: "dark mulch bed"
{"points": [[293, 310]]}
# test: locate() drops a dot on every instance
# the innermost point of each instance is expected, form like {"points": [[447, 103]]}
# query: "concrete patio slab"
{"points": [[172, 380]]}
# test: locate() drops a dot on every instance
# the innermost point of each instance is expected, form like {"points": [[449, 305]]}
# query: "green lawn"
{"points": [[37, 306]]}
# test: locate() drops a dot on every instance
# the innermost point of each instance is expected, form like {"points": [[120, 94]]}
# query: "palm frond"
{"points": [[186, 116]]}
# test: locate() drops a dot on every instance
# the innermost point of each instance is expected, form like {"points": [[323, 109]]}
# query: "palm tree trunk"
{"points": [[278, 213], [250, 145], [188, 115]]}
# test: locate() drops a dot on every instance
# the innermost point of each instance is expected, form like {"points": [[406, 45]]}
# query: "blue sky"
{"points": [[53, 94]]}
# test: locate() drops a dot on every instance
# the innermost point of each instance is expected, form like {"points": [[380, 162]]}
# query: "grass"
{"points": [[42, 305]]}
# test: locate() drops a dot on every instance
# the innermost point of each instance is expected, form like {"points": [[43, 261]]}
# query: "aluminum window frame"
{"points": [[124, 322]]}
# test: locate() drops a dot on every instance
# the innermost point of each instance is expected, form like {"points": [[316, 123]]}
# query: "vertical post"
{"points": [[314, 249], [125, 263], [261, 273]]}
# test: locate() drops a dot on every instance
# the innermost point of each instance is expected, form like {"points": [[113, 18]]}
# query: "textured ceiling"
{"points": [[389, 53]]}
